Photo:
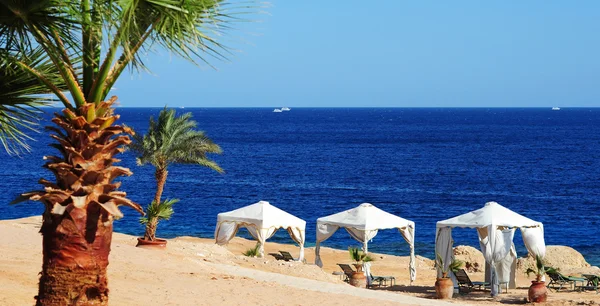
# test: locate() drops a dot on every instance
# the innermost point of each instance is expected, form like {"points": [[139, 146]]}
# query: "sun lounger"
{"points": [[287, 256], [347, 271], [593, 282], [383, 280], [277, 256], [558, 281], [464, 282]]}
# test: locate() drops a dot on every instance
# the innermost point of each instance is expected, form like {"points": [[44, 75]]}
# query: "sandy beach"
{"points": [[194, 271]]}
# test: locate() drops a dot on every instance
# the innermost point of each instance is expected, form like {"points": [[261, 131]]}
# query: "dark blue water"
{"points": [[425, 165]]}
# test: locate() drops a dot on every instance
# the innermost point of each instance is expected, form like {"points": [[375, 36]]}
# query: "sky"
{"points": [[390, 54]]}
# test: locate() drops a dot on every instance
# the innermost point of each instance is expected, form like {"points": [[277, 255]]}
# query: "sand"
{"points": [[194, 271]]}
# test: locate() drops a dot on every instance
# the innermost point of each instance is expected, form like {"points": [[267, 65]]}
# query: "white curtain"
{"points": [[482, 232], [506, 268], [261, 235], [443, 247], [324, 231], [409, 235], [362, 236], [497, 247], [225, 231], [367, 272], [299, 237], [533, 237]]}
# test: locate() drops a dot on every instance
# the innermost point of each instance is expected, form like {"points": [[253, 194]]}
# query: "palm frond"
{"points": [[48, 16], [252, 252], [173, 139], [455, 265], [162, 211], [21, 96]]}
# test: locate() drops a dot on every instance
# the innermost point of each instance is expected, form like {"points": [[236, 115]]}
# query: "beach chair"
{"points": [[287, 256], [558, 281], [277, 256], [465, 283], [593, 282], [383, 280], [347, 271]]}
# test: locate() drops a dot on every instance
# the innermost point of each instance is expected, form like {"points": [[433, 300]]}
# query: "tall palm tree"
{"points": [[77, 50], [170, 140]]}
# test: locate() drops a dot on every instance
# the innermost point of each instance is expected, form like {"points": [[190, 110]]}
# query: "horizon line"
{"points": [[371, 107]]}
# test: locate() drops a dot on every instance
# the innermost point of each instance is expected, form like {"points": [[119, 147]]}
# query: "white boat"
{"points": [[277, 110], [285, 109], [556, 108]]}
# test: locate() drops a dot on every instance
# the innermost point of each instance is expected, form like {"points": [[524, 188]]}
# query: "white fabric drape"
{"points": [[299, 236], [506, 268], [225, 231], [409, 235], [443, 248], [324, 231], [367, 272], [261, 235], [498, 247], [533, 238], [362, 236]]}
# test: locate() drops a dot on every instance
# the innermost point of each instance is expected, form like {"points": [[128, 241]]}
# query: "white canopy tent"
{"points": [[496, 227], [363, 223], [261, 220]]}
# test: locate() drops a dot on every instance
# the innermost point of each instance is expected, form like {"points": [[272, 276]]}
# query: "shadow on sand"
{"points": [[473, 296]]}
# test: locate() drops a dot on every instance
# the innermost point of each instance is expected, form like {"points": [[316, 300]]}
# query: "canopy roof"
{"points": [[262, 215], [365, 217], [491, 214]]}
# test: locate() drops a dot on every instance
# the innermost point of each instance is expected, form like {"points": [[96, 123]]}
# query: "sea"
{"points": [[423, 164]]}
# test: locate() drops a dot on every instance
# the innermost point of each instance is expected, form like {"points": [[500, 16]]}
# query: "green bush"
{"points": [[252, 252]]}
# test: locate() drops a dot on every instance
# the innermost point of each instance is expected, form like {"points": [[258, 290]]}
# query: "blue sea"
{"points": [[423, 164]]}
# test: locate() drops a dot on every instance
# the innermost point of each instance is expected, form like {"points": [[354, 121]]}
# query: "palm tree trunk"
{"points": [[80, 206], [74, 263], [161, 179]]}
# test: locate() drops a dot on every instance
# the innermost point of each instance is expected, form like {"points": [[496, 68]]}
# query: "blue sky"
{"points": [[392, 54]]}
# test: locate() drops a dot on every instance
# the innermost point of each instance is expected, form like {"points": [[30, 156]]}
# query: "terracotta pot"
{"points": [[151, 244], [444, 288], [537, 292], [358, 279]]}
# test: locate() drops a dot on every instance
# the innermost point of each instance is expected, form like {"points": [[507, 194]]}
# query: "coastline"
{"points": [[197, 271]]}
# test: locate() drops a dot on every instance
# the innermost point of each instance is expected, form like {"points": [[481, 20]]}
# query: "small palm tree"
{"points": [[540, 269], [454, 266], [170, 140]]}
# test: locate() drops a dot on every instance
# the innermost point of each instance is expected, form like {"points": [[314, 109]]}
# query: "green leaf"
{"points": [[21, 96], [252, 252], [162, 211], [174, 139]]}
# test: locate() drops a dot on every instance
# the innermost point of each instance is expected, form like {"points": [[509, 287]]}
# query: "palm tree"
{"points": [[76, 50], [170, 140]]}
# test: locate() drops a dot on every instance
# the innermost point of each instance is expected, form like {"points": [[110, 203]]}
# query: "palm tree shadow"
{"points": [[422, 291]]}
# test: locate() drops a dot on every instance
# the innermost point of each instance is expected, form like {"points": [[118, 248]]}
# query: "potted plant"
{"points": [[358, 278], [537, 291], [444, 287], [170, 140]]}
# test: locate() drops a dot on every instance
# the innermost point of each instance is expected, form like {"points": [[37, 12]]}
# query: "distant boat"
{"points": [[277, 110], [285, 109], [556, 108]]}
